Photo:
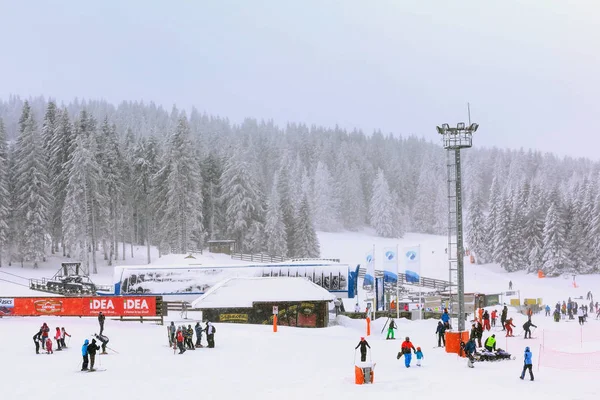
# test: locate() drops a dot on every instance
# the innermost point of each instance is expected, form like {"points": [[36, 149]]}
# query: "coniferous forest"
{"points": [[89, 175]]}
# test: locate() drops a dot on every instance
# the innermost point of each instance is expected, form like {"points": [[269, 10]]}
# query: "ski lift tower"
{"points": [[454, 140]]}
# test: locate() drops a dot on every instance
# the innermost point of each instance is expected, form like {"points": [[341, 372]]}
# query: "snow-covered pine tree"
{"points": [[504, 251], [275, 234], [533, 229], [306, 242], [495, 202], [575, 241], [61, 143], [554, 256], [476, 234], [424, 216], [381, 209], [286, 201], [4, 192], [212, 168], [32, 188], [326, 205], [182, 219], [84, 175]]}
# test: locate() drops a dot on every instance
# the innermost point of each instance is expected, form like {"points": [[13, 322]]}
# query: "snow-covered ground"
{"points": [[254, 362]]}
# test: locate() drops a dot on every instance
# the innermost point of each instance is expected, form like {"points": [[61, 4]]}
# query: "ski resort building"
{"points": [[296, 301]]}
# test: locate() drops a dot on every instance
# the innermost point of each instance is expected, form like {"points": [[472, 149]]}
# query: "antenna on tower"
{"points": [[469, 112]]}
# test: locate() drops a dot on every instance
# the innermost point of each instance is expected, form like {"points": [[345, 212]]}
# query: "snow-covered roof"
{"points": [[243, 292]]}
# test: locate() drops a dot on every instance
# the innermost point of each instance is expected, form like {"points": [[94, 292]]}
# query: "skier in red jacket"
{"points": [[180, 341], [509, 325]]}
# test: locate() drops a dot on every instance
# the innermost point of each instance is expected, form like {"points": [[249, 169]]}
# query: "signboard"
{"points": [[275, 310], [114, 306], [243, 318]]}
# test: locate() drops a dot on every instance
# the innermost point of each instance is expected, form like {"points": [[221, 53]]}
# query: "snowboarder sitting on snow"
{"points": [[441, 329], [405, 351], [391, 328], [527, 364], [104, 340], [198, 329], [490, 343], [419, 354], [527, 328], [363, 344], [92, 348], [84, 353], [509, 325]]}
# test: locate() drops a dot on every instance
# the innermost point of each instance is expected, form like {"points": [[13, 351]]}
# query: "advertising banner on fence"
{"points": [[78, 306]]}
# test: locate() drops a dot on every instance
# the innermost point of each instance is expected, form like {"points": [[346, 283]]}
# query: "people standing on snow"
{"points": [[446, 319], [198, 329], [84, 353], [101, 319], [479, 330], [57, 337], [529, 313], [363, 344], [556, 315], [189, 338], [419, 354], [440, 331], [390, 332], [406, 348], [510, 285], [45, 333], [486, 320], [490, 343], [581, 315], [527, 328], [509, 325], [63, 335], [494, 316], [503, 317], [528, 364], [180, 341], [469, 349], [36, 340], [210, 334], [104, 340], [49, 346], [547, 310], [92, 348]]}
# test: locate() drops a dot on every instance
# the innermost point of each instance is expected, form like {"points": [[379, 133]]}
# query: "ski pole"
{"points": [[112, 350]]}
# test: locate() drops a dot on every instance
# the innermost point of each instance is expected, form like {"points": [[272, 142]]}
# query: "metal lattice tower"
{"points": [[454, 140]]}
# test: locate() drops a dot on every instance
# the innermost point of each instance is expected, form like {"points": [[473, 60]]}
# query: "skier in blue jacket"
{"points": [[446, 319], [527, 364], [84, 353]]}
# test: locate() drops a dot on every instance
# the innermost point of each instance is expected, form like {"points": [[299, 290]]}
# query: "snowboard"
{"points": [[94, 370]]}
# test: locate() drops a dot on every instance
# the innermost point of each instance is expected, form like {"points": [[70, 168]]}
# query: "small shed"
{"points": [[299, 302], [225, 246]]}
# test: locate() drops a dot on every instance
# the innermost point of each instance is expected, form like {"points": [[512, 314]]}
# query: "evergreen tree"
{"points": [[32, 190], [495, 202], [212, 168], [424, 215], [4, 192], [555, 257], [275, 234], [288, 211], [477, 235], [381, 208], [533, 230], [306, 243]]}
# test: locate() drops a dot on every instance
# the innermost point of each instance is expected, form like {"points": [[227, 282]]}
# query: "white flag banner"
{"points": [[369, 281], [412, 263], [390, 259]]}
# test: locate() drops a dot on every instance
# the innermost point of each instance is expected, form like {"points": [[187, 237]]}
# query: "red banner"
{"points": [[115, 306]]}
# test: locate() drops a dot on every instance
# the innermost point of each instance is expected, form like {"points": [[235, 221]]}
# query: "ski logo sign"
{"points": [[79, 306]]}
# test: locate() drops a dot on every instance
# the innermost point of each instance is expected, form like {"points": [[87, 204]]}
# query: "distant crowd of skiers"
{"points": [[183, 338], [571, 308]]}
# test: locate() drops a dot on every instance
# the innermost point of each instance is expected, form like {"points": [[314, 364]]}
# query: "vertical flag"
{"points": [[412, 263], [390, 259], [369, 281]]}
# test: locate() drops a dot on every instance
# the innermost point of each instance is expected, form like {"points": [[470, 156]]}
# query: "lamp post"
{"points": [[455, 139]]}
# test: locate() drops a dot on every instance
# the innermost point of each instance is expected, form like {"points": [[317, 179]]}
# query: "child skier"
{"points": [[390, 332], [57, 337], [363, 344], [49, 346], [419, 354]]}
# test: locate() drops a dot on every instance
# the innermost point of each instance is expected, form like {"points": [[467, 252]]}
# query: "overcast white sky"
{"points": [[529, 68]]}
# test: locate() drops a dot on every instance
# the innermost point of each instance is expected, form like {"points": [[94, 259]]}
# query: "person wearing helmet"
{"points": [[419, 354], [363, 344], [527, 364], [406, 352], [84, 353]]}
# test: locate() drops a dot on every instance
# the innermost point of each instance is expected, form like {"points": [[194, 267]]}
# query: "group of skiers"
{"points": [[183, 338], [88, 351], [42, 340], [571, 308], [406, 350]]}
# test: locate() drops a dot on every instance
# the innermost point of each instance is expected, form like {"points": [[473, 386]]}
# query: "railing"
{"points": [[262, 258], [335, 260], [423, 281]]}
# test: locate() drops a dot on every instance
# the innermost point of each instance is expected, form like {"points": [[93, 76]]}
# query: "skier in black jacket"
{"points": [[363, 344], [101, 319], [36, 339], [198, 329], [527, 328], [104, 340], [441, 329], [503, 317], [92, 349]]}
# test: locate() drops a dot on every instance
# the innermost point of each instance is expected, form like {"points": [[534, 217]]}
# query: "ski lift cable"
{"points": [[17, 276], [14, 283]]}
